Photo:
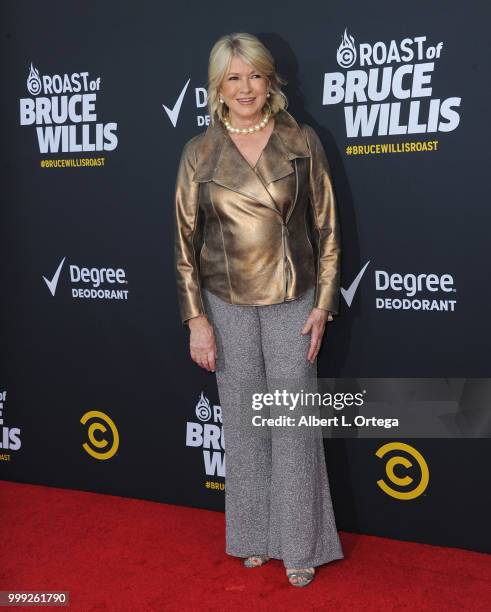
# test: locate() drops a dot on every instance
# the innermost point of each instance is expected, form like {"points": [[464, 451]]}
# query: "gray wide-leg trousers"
{"points": [[277, 497]]}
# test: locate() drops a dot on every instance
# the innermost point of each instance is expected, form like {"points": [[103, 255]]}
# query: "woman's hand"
{"points": [[316, 324], [202, 342]]}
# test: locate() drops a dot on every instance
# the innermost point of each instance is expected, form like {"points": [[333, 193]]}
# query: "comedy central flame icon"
{"points": [[203, 410], [105, 443], [33, 81], [346, 55]]}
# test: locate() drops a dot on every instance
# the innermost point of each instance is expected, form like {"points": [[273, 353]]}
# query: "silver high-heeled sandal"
{"points": [[304, 577], [249, 562]]}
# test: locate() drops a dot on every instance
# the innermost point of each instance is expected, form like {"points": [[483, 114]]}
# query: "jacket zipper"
{"points": [[296, 192], [284, 233]]}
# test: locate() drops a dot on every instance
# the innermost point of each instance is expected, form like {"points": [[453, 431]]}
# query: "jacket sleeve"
{"points": [[187, 238], [326, 221]]}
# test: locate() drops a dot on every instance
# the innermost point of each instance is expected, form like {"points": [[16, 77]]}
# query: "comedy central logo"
{"points": [[413, 474], [62, 107], [207, 434], [91, 283], [102, 434], [346, 54], [390, 92]]}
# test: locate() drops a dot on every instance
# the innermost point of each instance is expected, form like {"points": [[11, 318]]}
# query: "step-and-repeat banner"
{"points": [[97, 388]]}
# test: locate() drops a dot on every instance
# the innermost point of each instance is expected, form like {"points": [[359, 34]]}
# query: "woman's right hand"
{"points": [[202, 342]]}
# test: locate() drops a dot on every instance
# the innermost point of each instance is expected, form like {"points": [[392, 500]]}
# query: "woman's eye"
{"points": [[234, 77]]}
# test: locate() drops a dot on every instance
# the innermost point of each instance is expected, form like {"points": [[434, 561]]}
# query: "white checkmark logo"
{"points": [[349, 293], [54, 281], [173, 113]]}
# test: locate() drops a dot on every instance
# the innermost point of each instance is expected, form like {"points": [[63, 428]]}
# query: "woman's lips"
{"points": [[245, 100]]}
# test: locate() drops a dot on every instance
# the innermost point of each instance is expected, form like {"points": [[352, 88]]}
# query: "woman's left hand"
{"points": [[315, 324]]}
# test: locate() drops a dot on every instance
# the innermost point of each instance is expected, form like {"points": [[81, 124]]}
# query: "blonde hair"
{"points": [[252, 51]]}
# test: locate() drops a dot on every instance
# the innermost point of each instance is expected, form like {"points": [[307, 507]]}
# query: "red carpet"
{"points": [[117, 554]]}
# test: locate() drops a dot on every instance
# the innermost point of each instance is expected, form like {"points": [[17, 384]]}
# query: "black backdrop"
{"points": [[124, 354]]}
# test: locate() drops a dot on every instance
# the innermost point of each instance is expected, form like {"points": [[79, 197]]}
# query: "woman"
{"points": [[257, 255]]}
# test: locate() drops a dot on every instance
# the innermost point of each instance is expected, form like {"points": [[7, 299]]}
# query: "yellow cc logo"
{"points": [[103, 424], [413, 489]]}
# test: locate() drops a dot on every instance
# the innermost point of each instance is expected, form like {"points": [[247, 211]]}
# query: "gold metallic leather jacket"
{"points": [[261, 235]]}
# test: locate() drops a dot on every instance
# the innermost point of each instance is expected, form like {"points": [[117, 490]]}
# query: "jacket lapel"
{"points": [[219, 160], [234, 172]]}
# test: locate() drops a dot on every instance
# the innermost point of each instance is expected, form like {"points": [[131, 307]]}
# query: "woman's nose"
{"points": [[245, 86]]}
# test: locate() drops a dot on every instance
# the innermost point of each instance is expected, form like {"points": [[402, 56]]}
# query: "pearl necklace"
{"points": [[249, 130]]}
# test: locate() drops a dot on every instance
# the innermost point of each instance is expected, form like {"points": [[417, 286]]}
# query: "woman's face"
{"points": [[244, 90]]}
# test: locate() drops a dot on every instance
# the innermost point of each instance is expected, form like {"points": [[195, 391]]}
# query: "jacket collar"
{"points": [[220, 160]]}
